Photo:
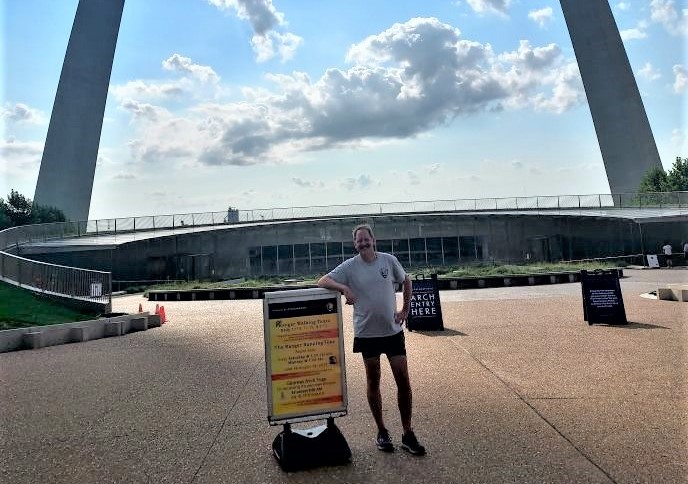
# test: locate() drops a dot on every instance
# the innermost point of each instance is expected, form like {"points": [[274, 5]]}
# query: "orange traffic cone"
{"points": [[140, 308], [163, 319]]}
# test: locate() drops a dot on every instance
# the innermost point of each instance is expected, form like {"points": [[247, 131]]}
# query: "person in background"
{"points": [[667, 254], [685, 252], [367, 281]]}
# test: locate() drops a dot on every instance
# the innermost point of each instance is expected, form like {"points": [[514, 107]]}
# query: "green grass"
{"points": [[20, 308], [479, 270], [252, 282], [484, 270]]}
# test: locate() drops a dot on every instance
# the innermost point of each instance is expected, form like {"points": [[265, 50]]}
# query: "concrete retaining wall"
{"points": [[36, 337], [673, 292]]}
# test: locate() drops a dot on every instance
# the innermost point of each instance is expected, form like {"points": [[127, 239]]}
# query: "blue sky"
{"points": [[295, 103]]}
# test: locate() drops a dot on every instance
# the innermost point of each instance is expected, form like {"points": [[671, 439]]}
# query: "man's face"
{"points": [[363, 242]]}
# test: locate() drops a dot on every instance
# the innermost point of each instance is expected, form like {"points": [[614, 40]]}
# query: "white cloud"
{"points": [[143, 110], [680, 79], [138, 96], [623, 6], [180, 63], [361, 181], [678, 138], [262, 14], [664, 12], [540, 77], [20, 157], [633, 34], [649, 72], [21, 113], [152, 152], [145, 90], [268, 45], [126, 176], [567, 90], [412, 178], [303, 183], [541, 16], [265, 20], [403, 82], [532, 59], [490, 6], [432, 169]]}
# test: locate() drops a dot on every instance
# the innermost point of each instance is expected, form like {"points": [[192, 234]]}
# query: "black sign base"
{"points": [[297, 450]]}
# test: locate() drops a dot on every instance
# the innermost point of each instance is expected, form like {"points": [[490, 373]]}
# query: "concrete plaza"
{"points": [[518, 388]]}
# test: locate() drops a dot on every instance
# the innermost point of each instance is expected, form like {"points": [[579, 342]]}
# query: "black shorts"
{"points": [[394, 345]]}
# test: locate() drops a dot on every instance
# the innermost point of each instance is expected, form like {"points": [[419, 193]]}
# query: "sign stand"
{"points": [[652, 261], [602, 298], [305, 376], [425, 312], [303, 449]]}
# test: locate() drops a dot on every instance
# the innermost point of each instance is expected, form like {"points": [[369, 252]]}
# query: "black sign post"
{"points": [[602, 299], [425, 313]]}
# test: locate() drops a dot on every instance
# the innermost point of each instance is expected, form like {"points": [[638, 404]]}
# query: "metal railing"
{"points": [[96, 286], [667, 200], [51, 279]]}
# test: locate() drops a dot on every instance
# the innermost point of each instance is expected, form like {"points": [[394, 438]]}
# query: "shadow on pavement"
{"points": [[445, 332]]}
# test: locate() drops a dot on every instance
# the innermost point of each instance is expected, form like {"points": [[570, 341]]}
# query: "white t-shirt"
{"points": [[667, 249], [373, 286]]}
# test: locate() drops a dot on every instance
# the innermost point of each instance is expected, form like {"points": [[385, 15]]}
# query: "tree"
{"points": [[656, 180], [20, 210], [677, 178]]}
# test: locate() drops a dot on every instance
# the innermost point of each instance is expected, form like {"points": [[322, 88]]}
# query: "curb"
{"points": [[36, 337]]}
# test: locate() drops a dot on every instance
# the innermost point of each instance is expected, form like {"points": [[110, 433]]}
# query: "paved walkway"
{"points": [[517, 389]]}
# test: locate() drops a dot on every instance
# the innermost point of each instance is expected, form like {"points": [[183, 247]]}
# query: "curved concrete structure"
{"points": [[315, 245]]}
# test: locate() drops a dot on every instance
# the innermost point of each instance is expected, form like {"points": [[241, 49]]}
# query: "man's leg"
{"points": [[409, 442], [372, 367], [404, 394]]}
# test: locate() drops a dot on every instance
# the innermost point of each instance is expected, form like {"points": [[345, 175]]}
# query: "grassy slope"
{"points": [[21, 308]]}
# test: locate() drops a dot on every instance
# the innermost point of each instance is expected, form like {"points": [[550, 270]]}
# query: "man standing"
{"points": [[667, 254], [367, 281]]}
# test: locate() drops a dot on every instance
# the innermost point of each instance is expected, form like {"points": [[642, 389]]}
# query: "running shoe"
{"points": [[384, 441], [410, 443]]}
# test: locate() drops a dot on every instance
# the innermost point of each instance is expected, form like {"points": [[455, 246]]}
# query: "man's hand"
{"points": [[348, 295], [400, 317], [329, 283]]}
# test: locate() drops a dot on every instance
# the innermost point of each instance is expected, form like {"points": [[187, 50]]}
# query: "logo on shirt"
{"points": [[384, 272]]}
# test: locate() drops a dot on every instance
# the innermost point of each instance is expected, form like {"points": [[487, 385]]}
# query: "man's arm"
{"points": [[401, 316], [328, 283]]}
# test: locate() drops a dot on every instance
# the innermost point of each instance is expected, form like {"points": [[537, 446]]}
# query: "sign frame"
{"points": [[423, 286], [295, 301], [652, 261], [599, 305]]}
